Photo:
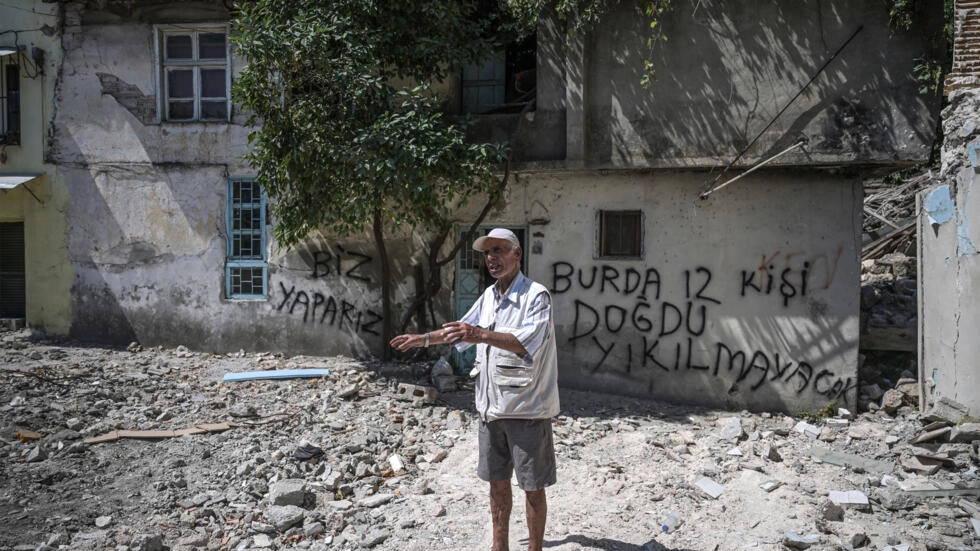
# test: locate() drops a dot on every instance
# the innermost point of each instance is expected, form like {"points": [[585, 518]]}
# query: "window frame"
{"points": [[10, 136], [252, 261], [164, 66], [498, 77], [601, 237]]}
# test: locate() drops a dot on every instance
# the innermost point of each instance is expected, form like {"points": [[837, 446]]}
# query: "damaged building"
{"points": [[670, 278]]}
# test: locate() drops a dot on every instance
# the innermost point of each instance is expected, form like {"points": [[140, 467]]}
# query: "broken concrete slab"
{"points": [[895, 499], [892, 400], [284, 517], [710, 487], [808, 430], [291, 491], [921, 466], [770, 485], [416, 394], [796, 541], [946, 410], [732, 429], [850, 460], [937, 434], [769, 452], [966, 432], [850, 499]]}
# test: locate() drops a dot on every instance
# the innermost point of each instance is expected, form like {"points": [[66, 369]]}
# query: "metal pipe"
{"points": [[753, 169]]}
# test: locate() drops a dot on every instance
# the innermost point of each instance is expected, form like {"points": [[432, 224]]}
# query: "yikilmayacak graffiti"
{"points": [[326, 309], [633, 311], [654, 331]]}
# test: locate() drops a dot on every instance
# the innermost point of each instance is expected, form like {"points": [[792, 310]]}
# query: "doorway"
{"points": [[12, 287]]}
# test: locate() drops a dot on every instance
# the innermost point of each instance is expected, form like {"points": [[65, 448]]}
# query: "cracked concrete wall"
{"points": [[727, 70], [748, 299], [147, 211], [949, 276]]}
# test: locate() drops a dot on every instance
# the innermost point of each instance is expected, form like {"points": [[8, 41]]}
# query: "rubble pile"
{"points": [[889, 307], [151, 449], [889, 215]]}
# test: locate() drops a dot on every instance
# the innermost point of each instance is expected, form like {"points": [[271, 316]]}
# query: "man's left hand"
{"points": [[457, 331]]}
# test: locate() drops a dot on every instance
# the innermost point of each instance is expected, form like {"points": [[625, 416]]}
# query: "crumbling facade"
{"points": [[668, 281], [949, 234]]}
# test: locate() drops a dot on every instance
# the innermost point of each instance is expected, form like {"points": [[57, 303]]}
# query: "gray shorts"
{"points": [[523, 445]]}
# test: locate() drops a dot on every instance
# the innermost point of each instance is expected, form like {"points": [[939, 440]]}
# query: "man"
{"points": [[517, 385]]}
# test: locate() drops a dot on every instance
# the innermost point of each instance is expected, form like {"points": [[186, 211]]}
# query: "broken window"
{"points": [[9, 97], [195, 73], [503, 84], [246, 270], [620, 234]]}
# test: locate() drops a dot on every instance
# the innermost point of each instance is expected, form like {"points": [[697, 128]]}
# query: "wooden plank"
{"points": [[904, 339]]}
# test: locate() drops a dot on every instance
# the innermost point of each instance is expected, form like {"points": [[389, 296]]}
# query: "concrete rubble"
{"points": [[372, 456]]}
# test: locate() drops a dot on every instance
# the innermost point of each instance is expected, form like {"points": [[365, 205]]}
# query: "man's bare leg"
{"points": [[537, 514], [501, 501]]}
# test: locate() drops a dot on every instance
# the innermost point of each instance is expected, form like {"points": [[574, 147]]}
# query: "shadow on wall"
{"points": [[97, 314], [144, 248], [727, 70]]}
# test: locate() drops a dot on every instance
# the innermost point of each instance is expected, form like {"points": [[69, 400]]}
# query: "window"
{"points": [[194, 73], [9, 97], [620, 234], [246, 272], [505, 83]]}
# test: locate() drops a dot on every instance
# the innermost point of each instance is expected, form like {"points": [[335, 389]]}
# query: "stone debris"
{"points": [[732, 429], [809, 430], [850, 499], [373, 457], [417, 394], [795, 541]]}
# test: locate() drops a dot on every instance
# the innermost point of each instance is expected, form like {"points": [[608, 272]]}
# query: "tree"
{"points": [[348, 132], [338, 145]]}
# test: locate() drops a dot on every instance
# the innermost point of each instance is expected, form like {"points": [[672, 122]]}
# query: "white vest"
{"points": [[508, 387]]}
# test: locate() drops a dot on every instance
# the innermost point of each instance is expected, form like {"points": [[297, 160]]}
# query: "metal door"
{"points": [[12, 288]]}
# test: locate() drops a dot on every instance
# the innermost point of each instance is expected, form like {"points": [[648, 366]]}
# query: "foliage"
{"points": [[581, 16], [929, 71], [829, 410], [346, 123]]}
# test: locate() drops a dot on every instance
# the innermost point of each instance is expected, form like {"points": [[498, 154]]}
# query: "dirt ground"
{"points": [[624, 464]]}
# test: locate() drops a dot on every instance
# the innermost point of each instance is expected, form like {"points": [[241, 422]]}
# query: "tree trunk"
{"points": [[386, 326]]}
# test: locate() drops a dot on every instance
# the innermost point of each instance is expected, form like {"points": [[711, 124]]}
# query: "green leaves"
{"points": [[336, 138]]}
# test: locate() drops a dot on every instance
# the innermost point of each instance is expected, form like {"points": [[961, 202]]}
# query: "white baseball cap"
{"points": [[497, 233]]}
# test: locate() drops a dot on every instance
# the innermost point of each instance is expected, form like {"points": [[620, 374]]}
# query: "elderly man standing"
{"points": [[517, 385]]}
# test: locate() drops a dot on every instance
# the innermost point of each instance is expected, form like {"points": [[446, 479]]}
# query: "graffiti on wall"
{"points": [[654, 323], [319, 308]]}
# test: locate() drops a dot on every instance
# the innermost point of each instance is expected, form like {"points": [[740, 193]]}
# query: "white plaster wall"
{"points": [[799, 344], [949, 236], [147, 219], [93, 127]]}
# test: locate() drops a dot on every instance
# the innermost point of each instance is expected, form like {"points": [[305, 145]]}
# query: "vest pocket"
{"points": [[509, 369]]}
